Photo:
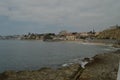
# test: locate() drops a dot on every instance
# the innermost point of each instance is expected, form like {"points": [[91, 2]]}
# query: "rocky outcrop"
{"points": [[64, 73], [103, 67]]}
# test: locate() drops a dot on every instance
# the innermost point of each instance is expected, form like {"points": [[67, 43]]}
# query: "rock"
{"points": [[116, 45], [63, 73], [103, 67], [117, 52], [86, 59]]}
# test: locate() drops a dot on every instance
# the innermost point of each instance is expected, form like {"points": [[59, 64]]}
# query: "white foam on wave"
{"points": [[78, 61], [66, 64], [90, 43], [83, 64], [111, 49], [108, 49]]}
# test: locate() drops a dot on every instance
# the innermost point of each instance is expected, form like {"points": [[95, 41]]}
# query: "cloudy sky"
{"points": [[41, 16]]}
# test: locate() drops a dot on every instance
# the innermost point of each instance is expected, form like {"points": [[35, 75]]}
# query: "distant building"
{"points": [[64, 35], [84, 34], [97, 33], [70, 36]]}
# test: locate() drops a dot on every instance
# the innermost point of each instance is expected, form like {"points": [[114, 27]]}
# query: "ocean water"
{"points": [[32, 55]]}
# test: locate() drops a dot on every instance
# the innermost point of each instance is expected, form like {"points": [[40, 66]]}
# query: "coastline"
{"points": [[103, 66], [92, 42], [104, 42]]}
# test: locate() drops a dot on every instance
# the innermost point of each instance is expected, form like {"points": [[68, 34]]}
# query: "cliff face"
{"points": [[113, 33]]}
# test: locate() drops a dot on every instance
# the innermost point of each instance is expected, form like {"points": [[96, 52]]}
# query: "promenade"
{"points": [[118, 76]]}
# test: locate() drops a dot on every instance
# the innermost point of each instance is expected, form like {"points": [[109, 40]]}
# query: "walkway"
{"points": [[118, 76]]}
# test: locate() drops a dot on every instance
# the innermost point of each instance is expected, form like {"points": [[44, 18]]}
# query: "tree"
{"points": [[49, 36]]}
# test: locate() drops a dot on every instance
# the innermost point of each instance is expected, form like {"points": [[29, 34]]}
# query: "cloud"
{"points": [[75, 13]]}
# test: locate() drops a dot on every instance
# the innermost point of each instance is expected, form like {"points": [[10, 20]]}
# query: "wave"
{"points": [[111, 49], [80, 61], [90, 43]]}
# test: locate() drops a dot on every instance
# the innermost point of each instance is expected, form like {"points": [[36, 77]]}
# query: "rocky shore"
{"points": [[102, 67]]}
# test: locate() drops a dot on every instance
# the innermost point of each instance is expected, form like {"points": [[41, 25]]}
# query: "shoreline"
{"points": [[91, 42], [99, 67], [82, 41], [104, 67]]}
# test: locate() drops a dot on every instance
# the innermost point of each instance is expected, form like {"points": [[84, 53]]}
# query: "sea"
{"points": [[34, 54]]}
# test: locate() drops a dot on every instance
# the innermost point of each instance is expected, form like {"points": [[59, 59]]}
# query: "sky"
{"points": [[44, 16]]}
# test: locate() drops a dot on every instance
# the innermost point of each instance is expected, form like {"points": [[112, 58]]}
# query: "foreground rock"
{"points": [[104, 67], [116, 45], [64, 73]]}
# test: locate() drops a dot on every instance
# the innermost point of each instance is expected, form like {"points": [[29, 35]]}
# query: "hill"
{"points": [[111, 33]]}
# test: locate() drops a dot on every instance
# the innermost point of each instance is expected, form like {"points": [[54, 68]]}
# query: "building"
{"points": [[70, 37], [97, 33], [84, 34]]}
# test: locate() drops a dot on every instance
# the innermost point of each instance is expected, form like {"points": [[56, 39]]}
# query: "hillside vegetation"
{"points": [[111, 33]]}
